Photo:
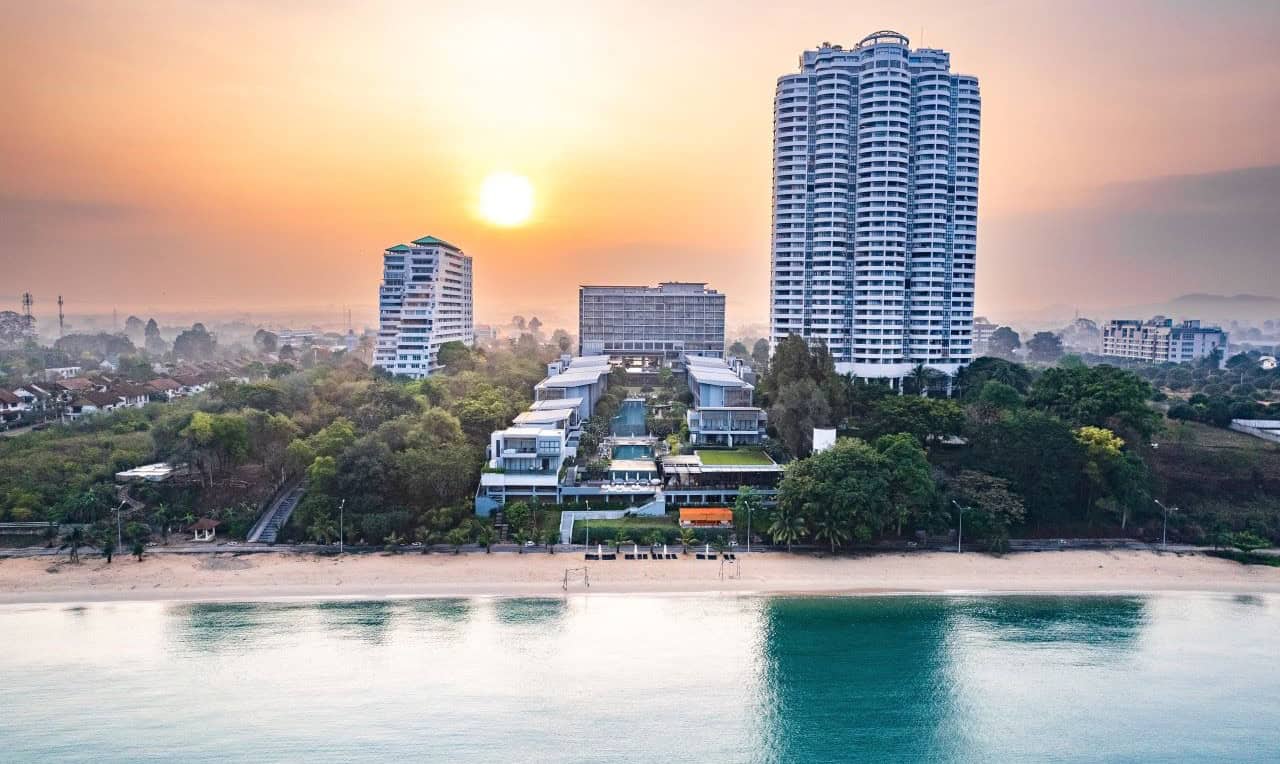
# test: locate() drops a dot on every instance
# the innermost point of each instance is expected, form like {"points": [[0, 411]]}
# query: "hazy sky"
{"points": [[257, 155]]}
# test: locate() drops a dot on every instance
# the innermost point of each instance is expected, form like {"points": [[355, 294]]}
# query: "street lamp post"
{"points": [[748, 529], [342, 505], [1164, 534], [119, 535], [960, 533]]}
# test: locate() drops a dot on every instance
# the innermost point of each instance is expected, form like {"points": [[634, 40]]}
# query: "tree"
{"points": [[323, 530], [830, 524], [787, 525], [266, 341], [911, 490], [108, 545], [687, 538], [992, 508], [738, 350], [925, 419], [841, 492], [72, 541], [620, 538], [562, 340], [138, 549], [195, 344], [484, 537], [519, 516], [1103, 396], [997, 396], [972, 378], [760, 355], [799, 408], [154, 344], [1045, 347], [535, 327], [457, 537], [1020, 447], [455, 357], [1003, 342], [551, 537]]}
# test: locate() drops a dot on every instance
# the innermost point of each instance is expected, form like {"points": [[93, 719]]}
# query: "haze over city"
{"points": [[194, 156]]}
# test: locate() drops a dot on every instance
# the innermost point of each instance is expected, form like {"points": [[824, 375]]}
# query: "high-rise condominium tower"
{"points": [[424, 302], [875, 206]]}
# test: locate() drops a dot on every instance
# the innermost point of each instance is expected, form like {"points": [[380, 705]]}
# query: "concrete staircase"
{"points": [[269, 525]]}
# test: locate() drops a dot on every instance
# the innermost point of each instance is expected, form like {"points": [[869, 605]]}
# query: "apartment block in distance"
{"points": [[424, 302], [1160, 341], [875, 206], [661, 323]]}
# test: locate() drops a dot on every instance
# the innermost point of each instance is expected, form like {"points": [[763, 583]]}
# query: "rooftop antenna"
{"points": [[26, 304], [60, 317]]}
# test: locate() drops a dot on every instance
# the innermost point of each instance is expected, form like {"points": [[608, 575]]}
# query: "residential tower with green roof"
{"points": [[424, 301]]}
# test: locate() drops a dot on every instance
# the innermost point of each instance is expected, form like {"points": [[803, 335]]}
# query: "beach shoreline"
{"points": [[235, 577]]}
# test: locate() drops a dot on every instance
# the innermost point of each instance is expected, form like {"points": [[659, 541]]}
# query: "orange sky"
{"points": [[259, 155]]}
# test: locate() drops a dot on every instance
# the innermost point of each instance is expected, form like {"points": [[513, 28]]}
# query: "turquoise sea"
{"points": [[639, 678]]}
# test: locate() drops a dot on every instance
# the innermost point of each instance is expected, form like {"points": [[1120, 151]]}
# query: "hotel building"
{"points": [[424, 302], [875, 206], [659, 323]]}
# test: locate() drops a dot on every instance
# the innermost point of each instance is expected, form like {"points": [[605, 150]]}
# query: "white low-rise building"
{"points": [[1160, 341]]}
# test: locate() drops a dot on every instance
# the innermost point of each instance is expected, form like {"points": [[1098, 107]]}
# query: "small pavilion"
{"points": [[204, 529]]}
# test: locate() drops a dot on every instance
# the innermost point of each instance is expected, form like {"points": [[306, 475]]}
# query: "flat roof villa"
{"points": [[584, 379], [722, 412]]}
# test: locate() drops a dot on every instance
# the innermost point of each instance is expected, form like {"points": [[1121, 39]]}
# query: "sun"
{"points": [[506, 199]]}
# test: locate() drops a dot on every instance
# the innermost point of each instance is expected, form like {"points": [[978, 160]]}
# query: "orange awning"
{"points": [[706, 516]]}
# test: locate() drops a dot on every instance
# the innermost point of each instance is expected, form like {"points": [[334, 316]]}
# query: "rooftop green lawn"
{"points": [[732, 457]]}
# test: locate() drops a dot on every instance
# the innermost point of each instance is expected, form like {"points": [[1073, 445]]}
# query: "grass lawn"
{"points": [[736, 456]]}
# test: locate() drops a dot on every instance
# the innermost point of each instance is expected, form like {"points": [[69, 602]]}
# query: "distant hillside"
{"points": [[1213, 308]]}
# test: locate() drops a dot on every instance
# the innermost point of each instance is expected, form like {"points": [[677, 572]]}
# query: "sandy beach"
{"points": [[233, 577]]}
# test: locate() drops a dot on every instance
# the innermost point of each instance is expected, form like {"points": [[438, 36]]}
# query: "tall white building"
{"points": [[424, 302], [875, 206]]}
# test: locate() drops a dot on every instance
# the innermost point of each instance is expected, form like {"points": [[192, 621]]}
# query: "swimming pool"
{"points": [[632, 451], [630, 419]]}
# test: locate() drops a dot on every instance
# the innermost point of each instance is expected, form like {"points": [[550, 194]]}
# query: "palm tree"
{"points": [[787, 526], [323, 530], [619, 539], [138, 549], [655, 539], [72, 542], [423, 535], [484, 537], [688, 538], [108, 545], [829, 526], [457, 537], [393, 542]]}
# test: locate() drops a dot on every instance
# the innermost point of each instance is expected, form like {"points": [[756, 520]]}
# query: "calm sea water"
{"points": [[662, 679]]}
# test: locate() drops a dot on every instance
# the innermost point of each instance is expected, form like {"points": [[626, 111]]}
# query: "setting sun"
{"points": [[506, 199]]}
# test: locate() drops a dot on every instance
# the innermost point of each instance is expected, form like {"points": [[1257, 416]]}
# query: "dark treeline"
{"points": [[1067, 451]]}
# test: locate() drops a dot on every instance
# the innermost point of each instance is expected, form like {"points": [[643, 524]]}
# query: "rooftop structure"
{"points": [[722, 412]]}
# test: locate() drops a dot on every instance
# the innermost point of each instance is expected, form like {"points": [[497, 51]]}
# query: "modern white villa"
{"points": [[722, 414]]}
